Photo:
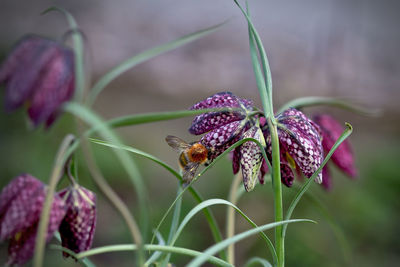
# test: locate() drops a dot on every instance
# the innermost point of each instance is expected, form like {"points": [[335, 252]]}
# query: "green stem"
{"points": [[277, 188], [57, 173], [230, 217]]}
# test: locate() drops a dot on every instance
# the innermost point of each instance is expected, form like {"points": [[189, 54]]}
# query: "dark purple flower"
{"points": [[222, 128], [300, 145], [21, 203], [40, 72], [343, 156], [77, 227]]}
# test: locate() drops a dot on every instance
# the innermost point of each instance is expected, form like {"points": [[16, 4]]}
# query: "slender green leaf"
{"points": [[346, 133], [212, 202], [207, 212], [130, 247], [222, 245], [256, 261], [174, 223], [159, 116], [144, 56], [328, 101], [156, 254], [266, 96]]}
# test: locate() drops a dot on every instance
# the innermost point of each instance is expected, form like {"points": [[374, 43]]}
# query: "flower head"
{"points": [[40, 72], [343, 155], [21, 203], [77, 227], [222, 128], [300, 145]]}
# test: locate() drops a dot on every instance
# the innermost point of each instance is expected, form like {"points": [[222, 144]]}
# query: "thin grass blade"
{"points": [[144, 56], [199, 260], [329, 101]]}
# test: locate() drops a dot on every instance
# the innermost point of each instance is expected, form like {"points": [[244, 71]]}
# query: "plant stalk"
{"points": [[277, 188], [230, 217], [56, 174]]}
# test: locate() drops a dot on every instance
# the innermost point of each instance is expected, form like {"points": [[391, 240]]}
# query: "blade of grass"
{"points": [[346, 133], [207, 212], [211, 202], [222, 245], [130, 247], [203, 171], [267, 102], [144, 56], [328, 101], [156, 254], [174, 224], [258, 261]]}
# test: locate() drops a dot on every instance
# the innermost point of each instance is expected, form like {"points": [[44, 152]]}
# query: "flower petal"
{"points": [[223, 99], [302, 141], [25, 69], [326, 178], [331, 131], [20, 212], [235, 156], [54, 86], [251, 158], [210, 121], [77, 228], [218, 140], [287, 176]]}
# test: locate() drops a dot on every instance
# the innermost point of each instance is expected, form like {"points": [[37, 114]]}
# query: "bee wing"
{"points": [[189, 171], [177, 143]]}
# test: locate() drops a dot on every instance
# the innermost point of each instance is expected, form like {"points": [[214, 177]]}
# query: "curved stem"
{"points": [[277, 188], [230, 217], [56, 174], [111, 195]]}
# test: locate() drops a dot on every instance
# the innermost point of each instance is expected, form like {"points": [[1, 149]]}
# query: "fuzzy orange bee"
{"points": [[190, 157]]}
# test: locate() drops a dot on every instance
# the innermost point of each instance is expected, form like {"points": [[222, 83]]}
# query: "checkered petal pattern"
{"points": [[78, 226], [251, 158], [210, 121], [20, 212]]}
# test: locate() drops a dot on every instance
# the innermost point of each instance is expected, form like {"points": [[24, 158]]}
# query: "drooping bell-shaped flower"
{"points": [[21, 203], [300, 145], [343, 155], [222, 128], [78, 226], [251, 158], [40, 72]]}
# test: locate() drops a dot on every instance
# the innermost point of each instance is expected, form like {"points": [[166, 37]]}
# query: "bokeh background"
{"points": [[333, 48]]}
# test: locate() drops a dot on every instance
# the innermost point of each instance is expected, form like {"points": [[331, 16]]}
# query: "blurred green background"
{"points": [[324, 48]]}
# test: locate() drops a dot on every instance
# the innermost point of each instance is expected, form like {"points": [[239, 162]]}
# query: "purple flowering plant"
{"points": [[265, 147]]}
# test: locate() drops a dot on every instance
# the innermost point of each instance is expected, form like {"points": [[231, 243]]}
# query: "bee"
{"points": [[190, 157]]}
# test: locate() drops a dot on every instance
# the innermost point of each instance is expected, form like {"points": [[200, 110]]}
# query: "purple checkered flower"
{"points": [[77, 227], [39, 72], [21, 203], [300, 145], [222, 128], [343, 156]]}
